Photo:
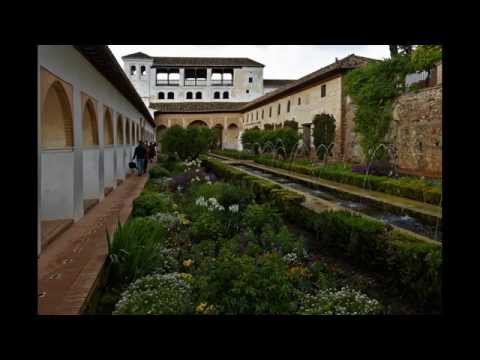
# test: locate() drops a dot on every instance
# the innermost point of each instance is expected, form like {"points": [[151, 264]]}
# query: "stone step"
{"points": [[51, 229], [107, 190], [88, 204]]}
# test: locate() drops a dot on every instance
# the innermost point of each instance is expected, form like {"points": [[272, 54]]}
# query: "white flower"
{"points": [[233, 208]]}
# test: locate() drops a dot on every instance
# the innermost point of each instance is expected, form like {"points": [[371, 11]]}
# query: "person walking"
{"points": [[140, 155]]}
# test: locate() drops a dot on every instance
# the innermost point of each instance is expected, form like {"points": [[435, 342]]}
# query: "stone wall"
{"points": [[417, 131]]}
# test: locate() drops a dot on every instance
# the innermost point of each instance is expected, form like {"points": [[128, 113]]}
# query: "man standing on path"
{"points": [[140, 154]]}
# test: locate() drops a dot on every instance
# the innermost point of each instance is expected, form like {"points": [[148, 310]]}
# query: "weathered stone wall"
{"points": [[417, 131]]}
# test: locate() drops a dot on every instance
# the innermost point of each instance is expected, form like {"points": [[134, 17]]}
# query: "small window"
{"points": [[143, 70], [248, 91], [323, 90], [225, 94], [257, 115], [250, 79], [279, 108], [133, 70], [161, 96], [288, 106], [299, 101], [170, 95], [270, 112], [189, 95], [262, 114], [216, 95], [198, 95]]}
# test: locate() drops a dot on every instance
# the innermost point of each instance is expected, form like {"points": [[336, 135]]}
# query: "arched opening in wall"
{"points": [[189, 95], [198, 95], [143, 70], [57, 120], [89, 124], [219, 130], [198, 123], [133, 70], [57, 165], [171, 95], [216, 95], [225, 95], [161, 95], [107, 128], [128, 140], [232, 136], [119, 130]]}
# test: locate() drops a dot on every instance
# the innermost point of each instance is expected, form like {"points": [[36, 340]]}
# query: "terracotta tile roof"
{"points": [[137, 55], [275, 82], [104, 61], [196, 107], [350, 62], [204, 61]]}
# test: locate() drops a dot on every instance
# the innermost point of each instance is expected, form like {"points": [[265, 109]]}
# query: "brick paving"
{"points": [[69, 266]]}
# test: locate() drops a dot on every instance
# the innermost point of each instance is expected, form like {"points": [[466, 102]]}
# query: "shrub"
{"points": [[167, 294], [226, 194], [257, 217], [188, 143], [345, 301], [156, 171], [150, 203], [323, 132], [242, 285], [135, 250]]}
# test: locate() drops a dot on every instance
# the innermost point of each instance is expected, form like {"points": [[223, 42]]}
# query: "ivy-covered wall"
{"points": [[416, 131]]}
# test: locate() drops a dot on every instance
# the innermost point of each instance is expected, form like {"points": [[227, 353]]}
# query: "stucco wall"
{"points": [[66, 175]]}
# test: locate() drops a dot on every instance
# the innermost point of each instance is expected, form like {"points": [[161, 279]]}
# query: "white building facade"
{"points": [[89, 120]]}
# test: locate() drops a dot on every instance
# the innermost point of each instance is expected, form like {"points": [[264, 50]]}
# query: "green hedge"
{"points": [[414, 189], [411, 265]]}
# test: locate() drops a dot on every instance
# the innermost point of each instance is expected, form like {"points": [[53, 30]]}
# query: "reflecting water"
{"points": [[404, 221]]}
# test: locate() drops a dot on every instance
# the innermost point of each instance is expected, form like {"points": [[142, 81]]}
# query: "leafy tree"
{"points": [[425, 56]]}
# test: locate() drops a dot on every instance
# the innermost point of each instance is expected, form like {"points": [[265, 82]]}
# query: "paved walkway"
{"points": [[69, 266]]}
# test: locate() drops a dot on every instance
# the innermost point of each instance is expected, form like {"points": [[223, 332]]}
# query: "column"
{"points": [[77, 155], [115, 171], [101, 152]]}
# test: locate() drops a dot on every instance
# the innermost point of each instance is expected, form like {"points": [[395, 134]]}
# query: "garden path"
{"points": [[69, 267]]}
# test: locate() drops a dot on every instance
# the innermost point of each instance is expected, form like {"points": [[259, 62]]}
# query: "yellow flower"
{"points": [[201, 307], [187, 263]]}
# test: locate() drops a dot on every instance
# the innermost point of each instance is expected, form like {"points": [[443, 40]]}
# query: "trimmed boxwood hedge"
{"points": [[411, 189], [411, 265]]}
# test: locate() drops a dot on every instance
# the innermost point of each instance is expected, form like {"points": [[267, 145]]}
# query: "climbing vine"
{"points": [[374, 87]]}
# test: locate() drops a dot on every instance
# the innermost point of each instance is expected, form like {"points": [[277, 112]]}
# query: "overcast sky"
{"points": [[281, 61]]}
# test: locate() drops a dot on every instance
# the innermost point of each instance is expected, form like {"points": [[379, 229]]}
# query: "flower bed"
{"points": [[221, 248], [407, 187], [411, 265]]}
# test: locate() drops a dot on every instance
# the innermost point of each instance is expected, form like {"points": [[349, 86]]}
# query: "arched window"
{"points": [[89, 124], [262, 113], [225, 94], [189, 95], [216, 95], [299, 101], [256, 115], [198, 95], [133, 70], [57, 123], [288, 106], [270, 112], [171, 95], [161, 95], [143, 70], [278, 111]]}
